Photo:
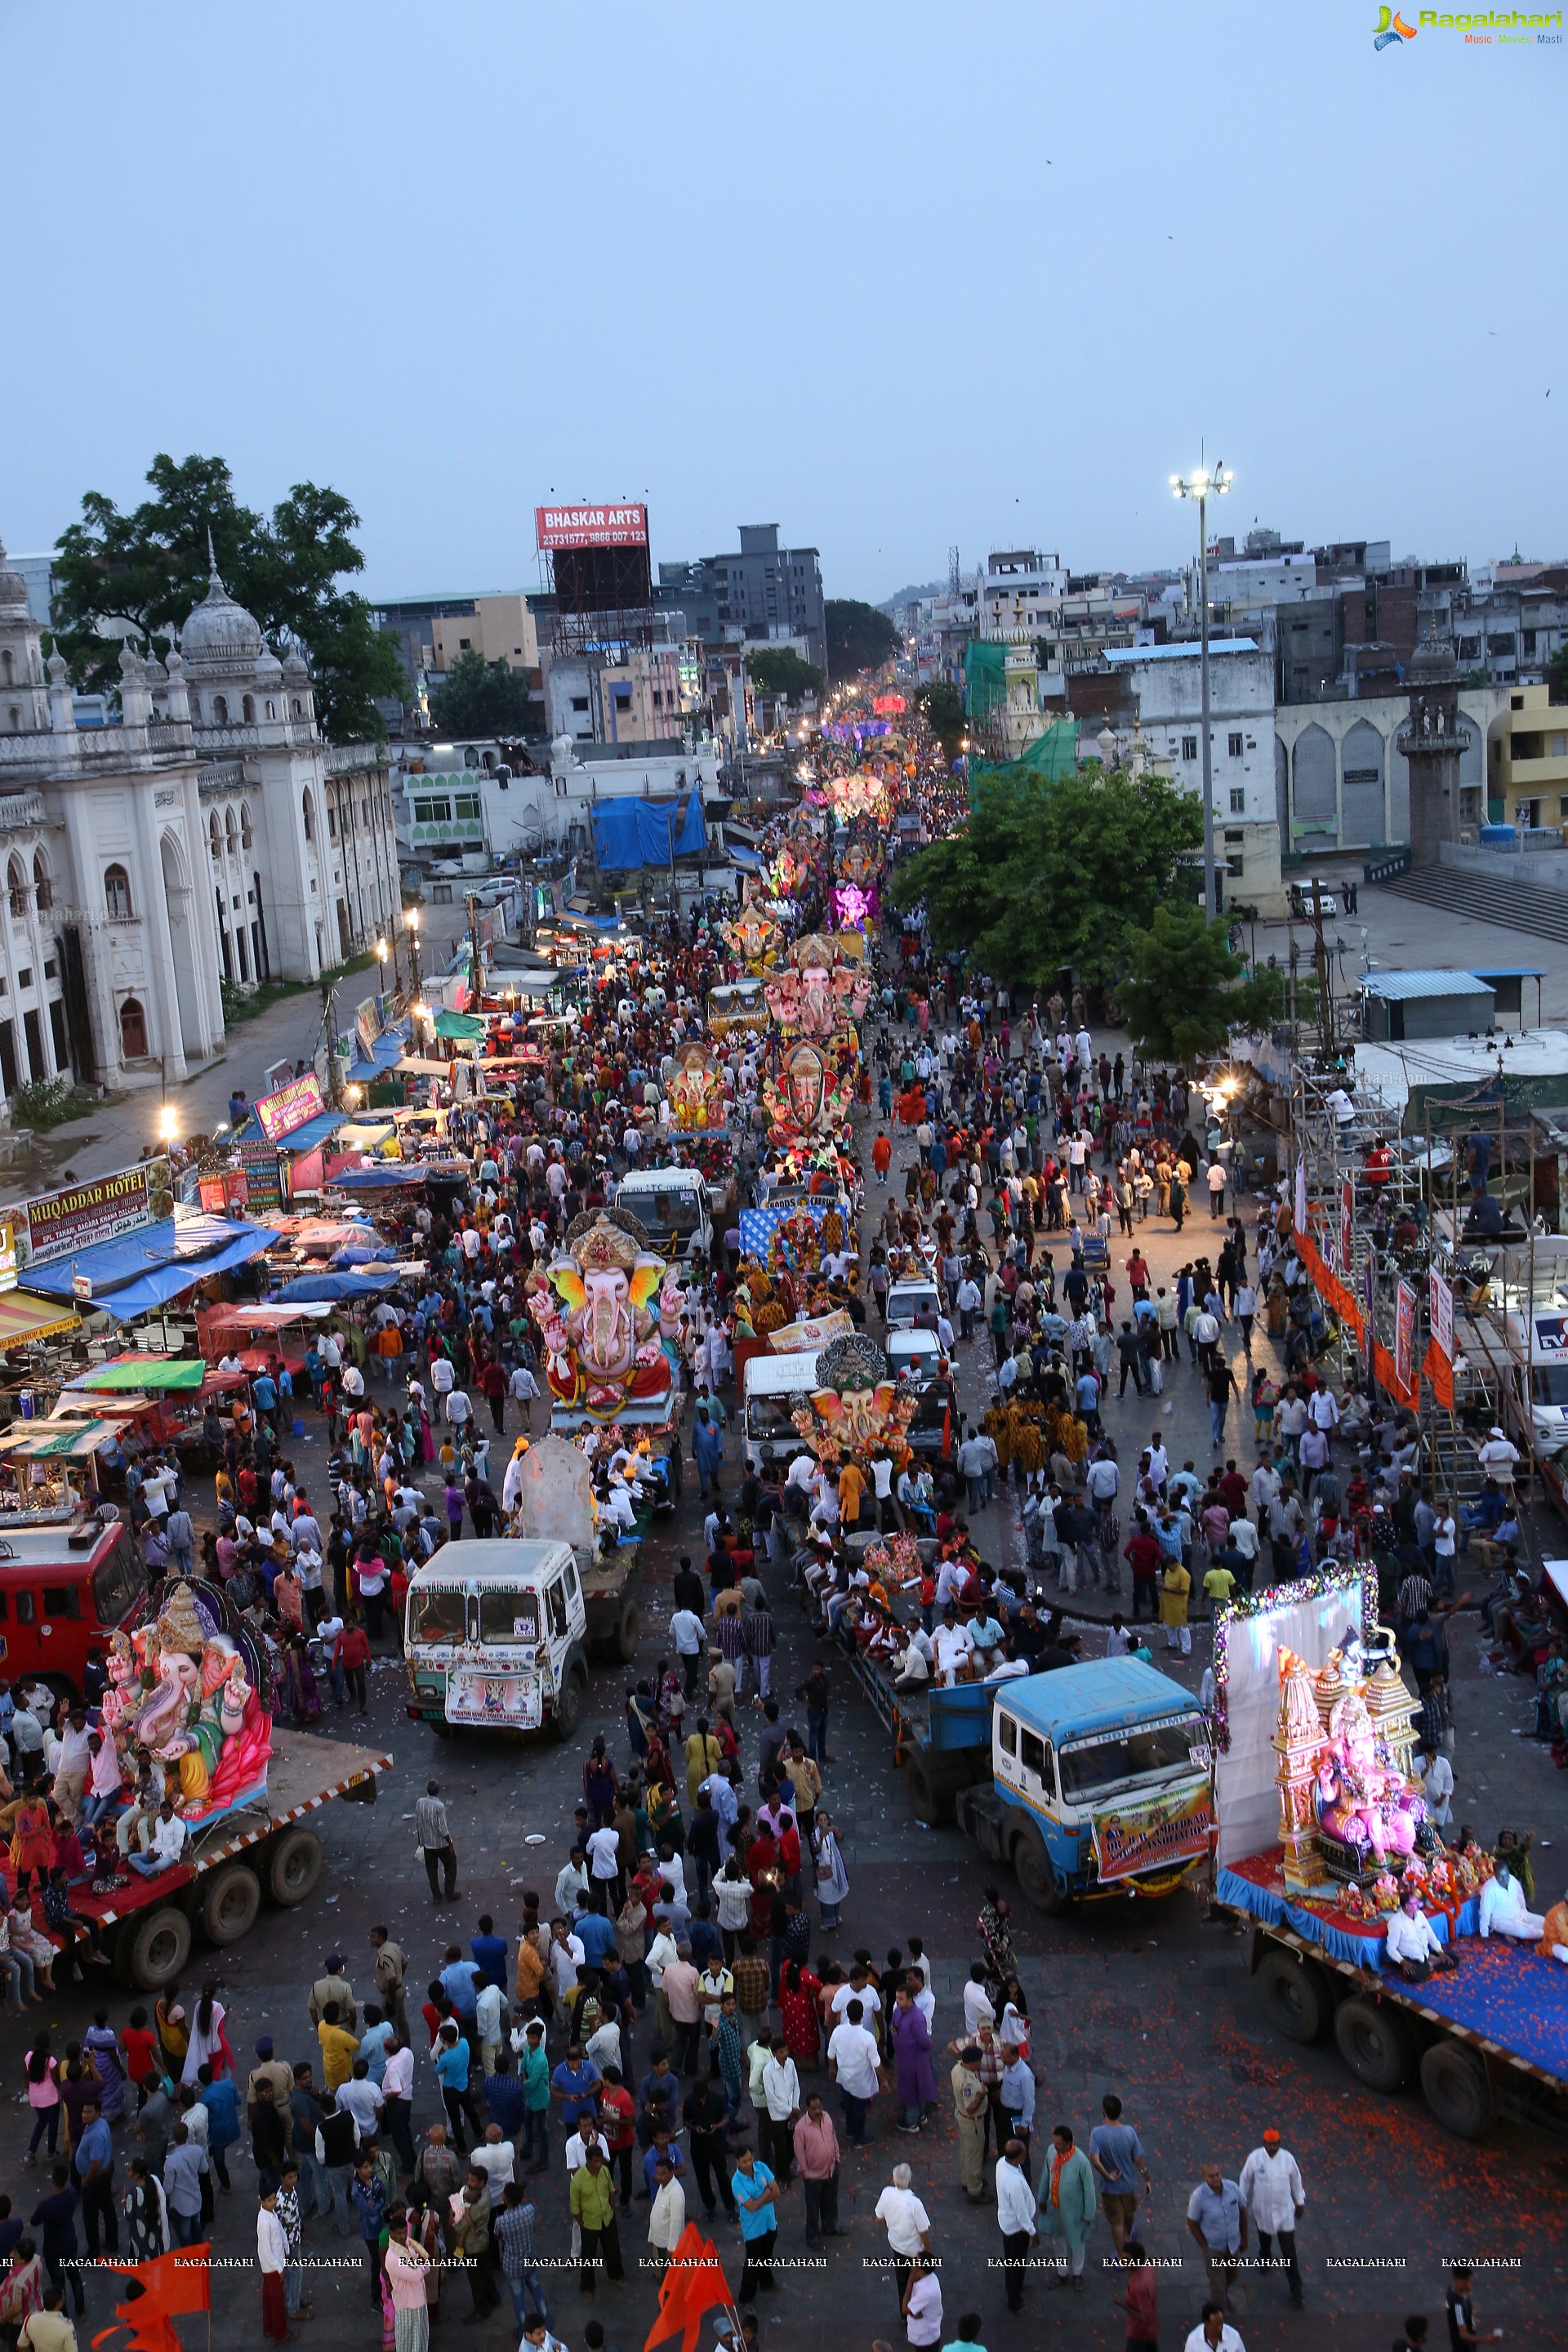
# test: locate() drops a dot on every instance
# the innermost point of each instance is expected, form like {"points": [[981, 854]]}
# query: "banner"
{"points": [[1156, 1834], [1347, 1218], [258, 1165], [1440, 1312], [291, 1107], [1405, 1374], [59, 1225], [1300, 1217], [800, 1338]]}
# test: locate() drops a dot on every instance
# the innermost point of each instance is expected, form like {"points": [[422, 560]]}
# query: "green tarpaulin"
{"points": [[148, 1375], [984, 678], [459, 1025], [1051, 758]]}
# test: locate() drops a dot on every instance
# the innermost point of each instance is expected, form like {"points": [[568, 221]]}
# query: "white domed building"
{"points": [[209, 835]]}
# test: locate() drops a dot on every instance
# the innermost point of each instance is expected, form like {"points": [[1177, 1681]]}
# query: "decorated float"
{"points": [[188, 1697], [602, 1308]]}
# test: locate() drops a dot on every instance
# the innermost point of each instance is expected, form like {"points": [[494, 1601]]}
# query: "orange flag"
{"points": [[170, 2283], [694, 2284]]}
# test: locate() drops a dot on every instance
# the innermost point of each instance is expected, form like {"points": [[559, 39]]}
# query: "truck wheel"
{"points": [[929, 1800], [568, 1707], [230, 1901], [1294, 1996], [293, 1867], [1376, 2043], [1032, 1869], [159, 1949], [627, 1631], [1457, 2088]]}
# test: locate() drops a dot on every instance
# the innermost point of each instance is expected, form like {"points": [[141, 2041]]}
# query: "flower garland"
{"points": [[1321, 1585]]}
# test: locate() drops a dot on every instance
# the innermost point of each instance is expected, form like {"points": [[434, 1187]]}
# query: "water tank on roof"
{"points": [[1498, 837]]}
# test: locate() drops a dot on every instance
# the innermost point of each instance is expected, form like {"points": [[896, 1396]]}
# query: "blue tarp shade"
{"points": [[142, 1271], [383, 1059], [315, 1131], [319, 1289], [632, 833], [746, 859], [362, 1254], [385, 1178]]}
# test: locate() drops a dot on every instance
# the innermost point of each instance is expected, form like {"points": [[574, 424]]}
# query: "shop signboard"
{"points": [[290, 1107], [59, 1224]]}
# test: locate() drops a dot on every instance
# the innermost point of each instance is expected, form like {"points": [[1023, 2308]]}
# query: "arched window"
{"points": [[298, 708], [16, 883], [8, 667], [216, 832], [220, 710], [233, 831], [42, 884], [249, 708], [117, 899], [16, 715], [245, 835], [309, 812], [272, 711], [133, 1027]]}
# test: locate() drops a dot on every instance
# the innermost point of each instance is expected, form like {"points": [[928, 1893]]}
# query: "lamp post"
{"points": [[417, 981], [1203, 485], [383, 951]]}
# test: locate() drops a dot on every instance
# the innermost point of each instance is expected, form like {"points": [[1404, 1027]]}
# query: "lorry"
{"points": [[216, 1891], [671, 1206], [1489, 2040], [495, 1637], [1089, 1781], [771, 1388]]}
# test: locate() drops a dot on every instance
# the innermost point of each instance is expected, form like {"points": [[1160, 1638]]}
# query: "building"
{"points": [[628, 692], [207, 834], [763, 593], [1167, 691], [1343, 782], [434, 632], [1527, 767], [1022, 591]]}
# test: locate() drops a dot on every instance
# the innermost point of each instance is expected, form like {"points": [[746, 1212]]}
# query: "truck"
{"points": [[495, 1637], [671, 1206], [1489, 2040], [771, 1387], [268, 1848], [1089, 1781]]}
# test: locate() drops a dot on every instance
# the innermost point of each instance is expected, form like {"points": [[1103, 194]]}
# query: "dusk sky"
{"points": [[895, 279]]}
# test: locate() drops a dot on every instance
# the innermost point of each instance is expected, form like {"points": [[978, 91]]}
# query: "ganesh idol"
{"points": [[601, 1334], [201, 1715], [1357, 1796], [815, 988]]}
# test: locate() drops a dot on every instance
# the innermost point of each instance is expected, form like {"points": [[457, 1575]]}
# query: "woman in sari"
{"points": [[798, 1991], [208, 2044], [22, 2290], [301, 1699], [996, 1934], [145, 2213], [173, 2037], [832, 1880]]}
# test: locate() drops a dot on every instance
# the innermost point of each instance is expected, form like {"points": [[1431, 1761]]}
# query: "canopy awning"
{"points": [[258, 1318], [466, 1026], [24, 1318], [37, 1442], [153, 1374], [315, 1131], [382, 1059], [144, 1270], [340, 1288]]}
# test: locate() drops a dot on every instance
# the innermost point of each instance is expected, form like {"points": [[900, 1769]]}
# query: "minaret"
{"points": [[1434, 744]]}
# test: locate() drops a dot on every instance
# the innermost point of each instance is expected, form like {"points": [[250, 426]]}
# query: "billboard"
{"points": [[58, 1224], [290, 1107], [558, 527]]}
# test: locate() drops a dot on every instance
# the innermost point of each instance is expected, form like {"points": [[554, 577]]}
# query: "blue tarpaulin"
{"points": [[315, 1131], [318, 1289], [746, 859], [143, 1270], [632, 833], [383, 1058]]}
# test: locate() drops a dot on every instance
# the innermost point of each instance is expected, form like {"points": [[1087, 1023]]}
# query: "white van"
{"points": [[671, 1206], [771, 1387], [494, 1635], [917, 1304]]}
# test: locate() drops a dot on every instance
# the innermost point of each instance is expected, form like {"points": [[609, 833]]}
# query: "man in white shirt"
{"points": [[977, 2009], [667, 2215], [1015, 2218], [1271, 2190], [853, 2063], [1413, 1944], [1214, 2333], [169, 1836], [363, 2099], [495, 2158], [780, 2090], [951, 1648], [907, 2222], [524, 1388], [1503, 1911], [604, 1858], [690, 1636], [1497, 1457], [1438, 1781]]}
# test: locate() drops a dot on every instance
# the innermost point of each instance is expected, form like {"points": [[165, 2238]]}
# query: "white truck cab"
{"points": [[771, 1387], [493, 1634], [671, 1206], [916, 1303]]}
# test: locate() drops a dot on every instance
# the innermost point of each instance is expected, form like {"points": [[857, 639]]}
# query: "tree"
{"points": [[481, 698], [944, 708], [144, 573], [1185, 991], [1557, 675], [1046, 874], [779, 670], [858, 637]]}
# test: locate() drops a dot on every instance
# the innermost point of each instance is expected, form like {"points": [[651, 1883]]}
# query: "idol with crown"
{"points": [[595, 1314]]}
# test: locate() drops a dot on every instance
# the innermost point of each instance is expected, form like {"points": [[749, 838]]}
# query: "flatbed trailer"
{"points": [[942, 1737], [1488, 2041], [266, 1848]]}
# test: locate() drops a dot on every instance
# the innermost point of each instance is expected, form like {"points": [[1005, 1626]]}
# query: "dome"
{"points": [[13, 587], [1433, 663], [221, 634]]}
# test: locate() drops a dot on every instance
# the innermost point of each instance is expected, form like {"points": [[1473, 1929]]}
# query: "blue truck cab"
{"points": [[1098, 1783]]}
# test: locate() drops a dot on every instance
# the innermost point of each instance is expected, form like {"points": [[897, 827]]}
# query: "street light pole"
{"points": [[1202, 486]]}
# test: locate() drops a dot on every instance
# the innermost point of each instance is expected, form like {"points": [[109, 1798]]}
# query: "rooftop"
{"points": [[1187, 649], [1400, 987]]}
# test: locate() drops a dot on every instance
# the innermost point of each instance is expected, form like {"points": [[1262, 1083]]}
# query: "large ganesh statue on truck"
{"points": [[697, 1099], [187, 1694], [810, 1098], [856, 1407], [594, 1310], [816, 990]]}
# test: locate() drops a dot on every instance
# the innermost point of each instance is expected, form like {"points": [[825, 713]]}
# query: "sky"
{"points": [[897, 279]]}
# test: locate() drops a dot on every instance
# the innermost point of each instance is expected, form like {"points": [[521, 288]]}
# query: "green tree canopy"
{"points": [[944, 708], [145, 571], [779, 670], [1045, 873], [481, 698], [858, 637], [1185, 991]]}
